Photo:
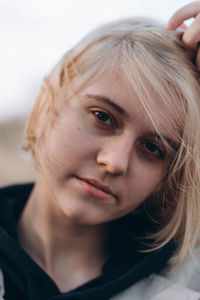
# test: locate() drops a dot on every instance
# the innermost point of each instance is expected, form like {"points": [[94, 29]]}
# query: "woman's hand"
{"points": [[191, 35]]}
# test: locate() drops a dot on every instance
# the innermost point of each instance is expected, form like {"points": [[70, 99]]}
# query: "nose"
{"points": [[115, 155]]}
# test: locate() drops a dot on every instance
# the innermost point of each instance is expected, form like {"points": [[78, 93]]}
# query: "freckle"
{"points": [[78, 128]]}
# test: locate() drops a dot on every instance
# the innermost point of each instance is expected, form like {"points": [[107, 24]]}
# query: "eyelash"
{"points": [[97, 113], [160, 153]]}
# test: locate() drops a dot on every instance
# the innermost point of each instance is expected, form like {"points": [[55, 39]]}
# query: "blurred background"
{"points": [[34, 35]]}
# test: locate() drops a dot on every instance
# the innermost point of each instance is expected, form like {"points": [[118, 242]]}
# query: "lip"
{"points": [[102, 191]]}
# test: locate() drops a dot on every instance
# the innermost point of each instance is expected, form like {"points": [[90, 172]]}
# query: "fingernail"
{"points": [[182, 26]]}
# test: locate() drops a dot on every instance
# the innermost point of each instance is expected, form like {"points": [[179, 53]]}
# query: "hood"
{"points": [[25, 279]]}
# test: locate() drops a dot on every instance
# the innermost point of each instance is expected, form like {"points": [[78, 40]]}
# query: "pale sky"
{"points": [[34, 34]]}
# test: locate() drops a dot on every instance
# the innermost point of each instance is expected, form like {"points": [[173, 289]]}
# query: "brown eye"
{"points": [[154, 150], [104, 118]]}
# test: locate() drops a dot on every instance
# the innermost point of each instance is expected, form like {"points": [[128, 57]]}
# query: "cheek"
{"points": [[146, 180], [70, 142], [65, 145], [139, 189]]}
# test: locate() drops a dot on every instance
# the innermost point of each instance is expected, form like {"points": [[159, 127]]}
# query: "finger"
{"points": [[191, 37], [183, 26], [186, 12]]}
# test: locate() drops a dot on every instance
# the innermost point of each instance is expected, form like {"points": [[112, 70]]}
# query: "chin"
{"points": [[80, 216]]}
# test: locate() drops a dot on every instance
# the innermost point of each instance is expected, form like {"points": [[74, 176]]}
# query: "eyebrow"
{"points": [[110, 102], [170, 141], [120, 110]]}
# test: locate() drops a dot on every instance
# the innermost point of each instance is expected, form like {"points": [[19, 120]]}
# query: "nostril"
{"points": [[114, 156], [114, 167]]}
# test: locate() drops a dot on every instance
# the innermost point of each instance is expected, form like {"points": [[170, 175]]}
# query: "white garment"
{"points": [[1, 286], [157, 287], [180, 285]]}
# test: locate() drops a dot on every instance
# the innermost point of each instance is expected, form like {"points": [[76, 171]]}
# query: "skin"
{"points": [[191, 36], [68, 227]]}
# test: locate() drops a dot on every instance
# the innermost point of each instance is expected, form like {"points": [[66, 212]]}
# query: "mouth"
{"points": [[95, 188]]}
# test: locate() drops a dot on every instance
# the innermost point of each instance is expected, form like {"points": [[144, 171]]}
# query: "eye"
{"points": [[104, 118], [154, 150]]}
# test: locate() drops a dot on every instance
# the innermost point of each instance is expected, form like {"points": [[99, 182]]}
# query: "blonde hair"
{"points": [[140, 52]]}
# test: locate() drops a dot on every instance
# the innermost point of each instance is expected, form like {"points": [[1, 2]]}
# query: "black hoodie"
{"points": [[25, 279]]}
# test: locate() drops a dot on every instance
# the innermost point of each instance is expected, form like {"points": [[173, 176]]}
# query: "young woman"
{"points": [[115, 136]]}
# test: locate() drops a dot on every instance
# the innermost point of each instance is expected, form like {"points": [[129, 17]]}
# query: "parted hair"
{"points": [[152, 61]]}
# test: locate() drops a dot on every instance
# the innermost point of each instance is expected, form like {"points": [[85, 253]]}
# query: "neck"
{"points": [[54, 241]]}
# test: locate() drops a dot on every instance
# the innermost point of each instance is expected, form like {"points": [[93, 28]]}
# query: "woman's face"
{"points": [[102, 158]]}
